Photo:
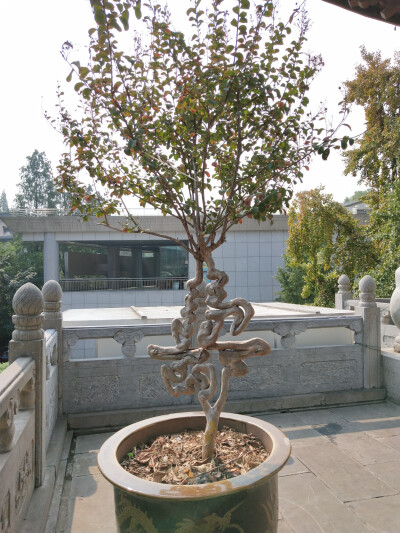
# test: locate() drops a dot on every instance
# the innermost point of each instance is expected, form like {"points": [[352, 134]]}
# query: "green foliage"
{"points": [[19, 263], [3, 203], [209, 126], [3, 366], [325, 241], [375, 156], [384, 230], [375, 159], [291, 279], [357, 195], [37, 187]]}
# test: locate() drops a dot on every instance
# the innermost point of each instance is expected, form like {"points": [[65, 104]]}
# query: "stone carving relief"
{"points": [[357, 328], [27, 397], [96, 390], [288, 333], [128, 340], [5, 514], [151, 387], [7, 426], [259, 378], [69, 339], [342, 373], [24, 479]]}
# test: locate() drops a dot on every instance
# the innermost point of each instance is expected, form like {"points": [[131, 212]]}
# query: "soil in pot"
{"points": [[176, 458]]}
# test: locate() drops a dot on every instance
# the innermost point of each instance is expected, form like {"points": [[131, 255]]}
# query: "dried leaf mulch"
{"points": [[176, 459]]}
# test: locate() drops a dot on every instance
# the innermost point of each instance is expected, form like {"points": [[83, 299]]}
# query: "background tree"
{"points": [[19, 263], [375, 157], [3, 203], [324, 242], [357, 195], [37, 187]]}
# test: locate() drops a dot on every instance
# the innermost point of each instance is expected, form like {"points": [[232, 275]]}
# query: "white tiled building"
{"points": [[100, 267]]}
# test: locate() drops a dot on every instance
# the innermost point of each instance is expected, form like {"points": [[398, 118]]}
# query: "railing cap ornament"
{"points": [[344, 283], [367, 288], [28, 319], [28, 300], [52, 291]]}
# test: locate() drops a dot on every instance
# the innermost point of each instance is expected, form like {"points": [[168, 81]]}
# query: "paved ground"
{"points": [[343, 476]]}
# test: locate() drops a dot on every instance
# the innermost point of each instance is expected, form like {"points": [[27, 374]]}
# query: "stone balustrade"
{"points": [[28, 399]]}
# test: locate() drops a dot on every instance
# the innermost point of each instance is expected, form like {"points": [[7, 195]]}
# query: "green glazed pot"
{"points": [[244, 504]]}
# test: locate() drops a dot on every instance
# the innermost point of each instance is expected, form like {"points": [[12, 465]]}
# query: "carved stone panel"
{"points": [[259, 377], [340, 373], [5, 514], [24, 479], [96, 390]]}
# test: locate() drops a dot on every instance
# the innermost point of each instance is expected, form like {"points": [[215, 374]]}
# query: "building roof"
{"points": [[383, 10], [160, 224]]}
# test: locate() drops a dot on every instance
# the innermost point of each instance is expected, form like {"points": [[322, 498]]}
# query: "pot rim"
{"points": [[111, 469]]}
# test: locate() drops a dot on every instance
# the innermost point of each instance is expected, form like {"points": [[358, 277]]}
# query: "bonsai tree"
{"points": [[207, 125]]}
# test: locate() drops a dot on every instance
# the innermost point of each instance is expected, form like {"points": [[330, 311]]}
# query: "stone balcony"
{"points": [[343, 475]]}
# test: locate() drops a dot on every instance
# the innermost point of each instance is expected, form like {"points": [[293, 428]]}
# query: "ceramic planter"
{"points": [[245, 504]]}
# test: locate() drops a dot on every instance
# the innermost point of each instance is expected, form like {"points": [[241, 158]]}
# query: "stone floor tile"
{"points": [[293, 466], [91, 506], [345, 477], [387, 472], [365, 449], [309, 507], [327, 422], [299, 434], [91, 443], [282, 420], [369, 411], [393, 441], [85, 464], [383, 514]]}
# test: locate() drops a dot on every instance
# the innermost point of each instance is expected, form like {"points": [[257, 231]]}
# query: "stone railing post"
{"points": [[52, 295], [28, 341], [370, 313], [395, 310], [344, 293]]}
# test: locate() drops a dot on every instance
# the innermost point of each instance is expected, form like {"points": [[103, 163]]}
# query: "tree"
{"points": [[209, 126], [19, 263], [325, 241], [37, 187], [3, 203], [357, 195], [375, 158], [291, 279]]}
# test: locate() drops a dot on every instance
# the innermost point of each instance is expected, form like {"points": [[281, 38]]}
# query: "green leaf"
{"points": [[78, 86], [138, 12], [245, 4], [234, 23], [69, 77], [99, 15], [125, 19]]}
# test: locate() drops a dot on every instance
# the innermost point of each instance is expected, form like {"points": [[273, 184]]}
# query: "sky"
{"points": [[31, 36]]}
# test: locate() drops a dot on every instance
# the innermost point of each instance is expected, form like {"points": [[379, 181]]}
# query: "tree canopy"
{"points": [[375, 87], [19, 263], [375, 158], [209, 125], [3, 202], [37, 187], [324, 242]]}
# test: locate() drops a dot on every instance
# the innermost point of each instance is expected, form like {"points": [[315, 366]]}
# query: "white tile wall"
{"points": [[250, 258]]}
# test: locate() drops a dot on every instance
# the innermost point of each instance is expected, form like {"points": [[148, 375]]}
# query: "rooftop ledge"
{"points": [[123, 316]]}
